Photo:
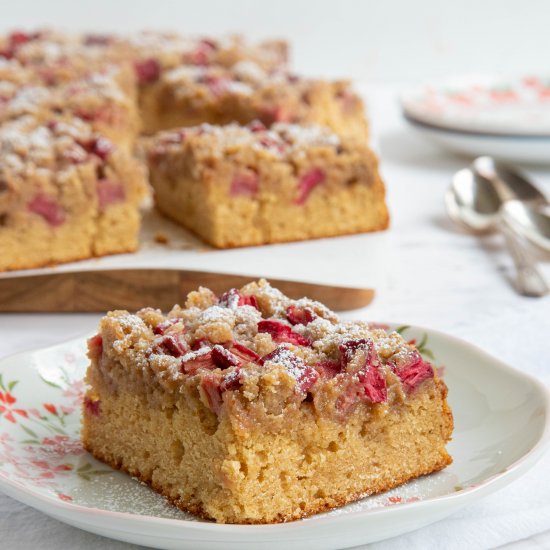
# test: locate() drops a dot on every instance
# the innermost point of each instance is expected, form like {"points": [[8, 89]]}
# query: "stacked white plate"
{"points": [[505, 117]]}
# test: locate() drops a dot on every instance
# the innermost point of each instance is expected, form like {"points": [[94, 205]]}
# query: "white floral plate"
{"points": [[502, 426], [483, 104], [505, 117]]}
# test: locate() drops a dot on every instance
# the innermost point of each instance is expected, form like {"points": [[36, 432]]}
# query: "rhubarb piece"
{"points": [[48, 208], [281, 333], [201, 56], [233, 299], [231, 381], [244, 353], [300, 315], [223, 358], [360, 358], [95, 346], [109, 192], [147, 71], [100, 147], [201, 343], [308, 182], [412, 370], [195, 360], [244, 184], [161, 328], [328, 368], [173, 344], [92, 406], [210, 385]]}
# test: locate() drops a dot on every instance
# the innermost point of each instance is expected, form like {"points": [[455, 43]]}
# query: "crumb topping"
{"points": [[26, 146], [236, 340], [281, 140]]}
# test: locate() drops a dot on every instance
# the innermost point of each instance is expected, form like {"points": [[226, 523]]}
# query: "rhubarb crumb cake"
{"points": [[66, 193], [190, 95], [255, 408], [311, 175], [241, 186]]}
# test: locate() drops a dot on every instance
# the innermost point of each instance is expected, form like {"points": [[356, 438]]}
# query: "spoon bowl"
{"points": [[473, 202], [509, 182], [532, 222]]}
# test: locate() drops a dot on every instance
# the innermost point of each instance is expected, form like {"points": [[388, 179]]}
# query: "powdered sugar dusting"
{"points": [[281, 140], [195, 354]]}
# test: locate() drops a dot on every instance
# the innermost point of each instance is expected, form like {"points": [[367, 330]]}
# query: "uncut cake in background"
{"points": [[81, 101]]}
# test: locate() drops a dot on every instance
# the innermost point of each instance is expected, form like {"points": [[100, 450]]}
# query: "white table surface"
{"points": [[424, 271]]}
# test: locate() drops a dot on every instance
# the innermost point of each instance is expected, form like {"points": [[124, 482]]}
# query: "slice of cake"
{"points": [[66, 193], [241, 186], [254, 408], [156, 51], [97, 98], [191, 95]]}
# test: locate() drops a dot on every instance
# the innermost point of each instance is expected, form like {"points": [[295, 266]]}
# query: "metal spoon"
{"points": [[509, 182], [473, 202], [532, 223], [525, 206]]}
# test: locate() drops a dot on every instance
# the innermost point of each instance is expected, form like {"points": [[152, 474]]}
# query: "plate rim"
{"points": [[415, 121], [125, 520], [410, 95]]}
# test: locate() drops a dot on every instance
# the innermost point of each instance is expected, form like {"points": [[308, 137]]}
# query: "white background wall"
{"points": [[375, 40]]}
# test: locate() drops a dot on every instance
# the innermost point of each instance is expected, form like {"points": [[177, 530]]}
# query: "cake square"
{"points": [[190, 95], [241, 186], [66, 193], [100, 98], [254, 408]]}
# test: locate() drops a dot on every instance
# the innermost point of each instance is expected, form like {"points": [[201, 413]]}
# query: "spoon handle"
{"points": [[529, 280]]}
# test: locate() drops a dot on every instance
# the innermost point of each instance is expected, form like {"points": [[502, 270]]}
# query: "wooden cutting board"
{"points": [[132, 289]]}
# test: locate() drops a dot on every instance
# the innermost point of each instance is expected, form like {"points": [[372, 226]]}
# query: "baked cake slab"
{"points": [[241, 186], [66, 193], [191, 95], [254, 408]]}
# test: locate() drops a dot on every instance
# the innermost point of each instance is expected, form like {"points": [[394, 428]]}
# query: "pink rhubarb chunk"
{"points": [[244, 184], [92, 406], [161, 328], [173, 344], [328, 369], [200, 359], [308, 182], [276, 113], [369, 372], [201, 56], [231, 381], [300, 315], [413, 371], [210, 385], [48, 208], [109, 192], [95, 346], [147, 71], [281, 333], [223, 358], [233, 299], [244, 353]]}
